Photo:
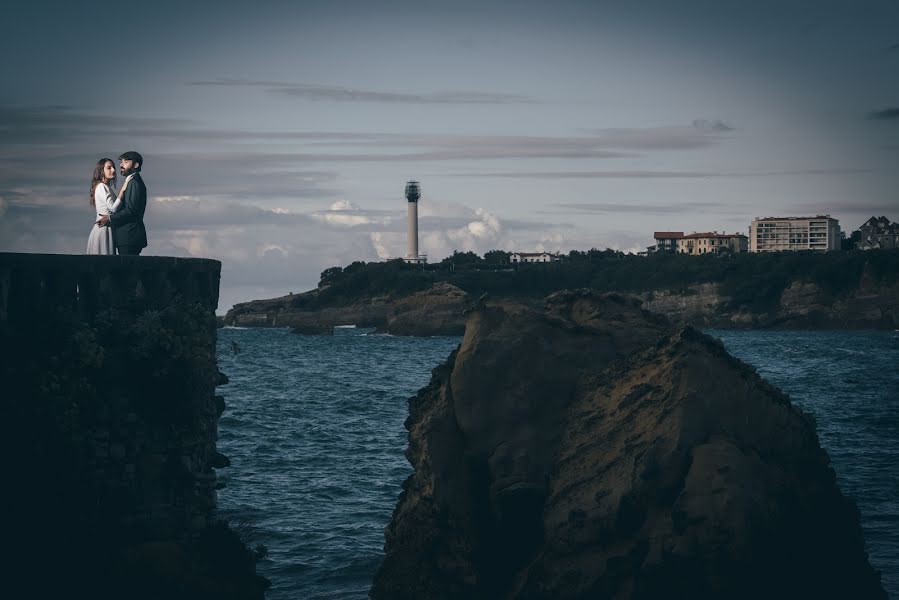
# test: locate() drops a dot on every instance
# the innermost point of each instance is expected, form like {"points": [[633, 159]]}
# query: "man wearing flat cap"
{"points": [[129, 236]]}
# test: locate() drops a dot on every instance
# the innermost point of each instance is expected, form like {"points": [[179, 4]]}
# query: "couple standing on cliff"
{"points": [[119, 227]]}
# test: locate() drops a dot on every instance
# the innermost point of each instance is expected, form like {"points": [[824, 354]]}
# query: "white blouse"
{"points": [[105, 201]]}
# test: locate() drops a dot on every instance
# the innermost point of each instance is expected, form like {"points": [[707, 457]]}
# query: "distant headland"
{"points": [[798, 290]]}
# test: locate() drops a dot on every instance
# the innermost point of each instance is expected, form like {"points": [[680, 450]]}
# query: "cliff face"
{"points": [[593, 450], [111, 413], [802, 305], [871, 304], [436, 311]]}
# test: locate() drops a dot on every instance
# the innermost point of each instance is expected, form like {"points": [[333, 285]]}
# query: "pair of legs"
{"points": [[128, 250]]}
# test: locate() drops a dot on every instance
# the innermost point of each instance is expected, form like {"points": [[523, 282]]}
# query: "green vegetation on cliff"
{"points": [[753, 281]]}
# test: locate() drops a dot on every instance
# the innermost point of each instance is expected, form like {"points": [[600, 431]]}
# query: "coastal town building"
{"points": [[878, 234], [666, 241], [711, 243], [780, 234], [535, 257]]}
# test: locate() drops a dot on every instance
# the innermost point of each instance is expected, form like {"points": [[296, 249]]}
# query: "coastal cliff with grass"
{"points": [[798, 290]]}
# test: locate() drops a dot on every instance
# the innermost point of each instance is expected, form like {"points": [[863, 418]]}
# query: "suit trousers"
{"points": [[128, 250]]}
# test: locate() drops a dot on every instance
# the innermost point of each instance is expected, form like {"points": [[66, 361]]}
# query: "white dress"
{"points": [[100, 239]]}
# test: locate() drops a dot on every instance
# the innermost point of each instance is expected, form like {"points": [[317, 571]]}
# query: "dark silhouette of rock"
{"points": [[593, 450]]}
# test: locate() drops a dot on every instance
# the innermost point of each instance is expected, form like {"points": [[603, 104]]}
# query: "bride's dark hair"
{"points": [[97, 177]]}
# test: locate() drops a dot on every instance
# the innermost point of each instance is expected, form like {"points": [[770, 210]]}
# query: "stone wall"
{"points": [[88, 285], [110, 412]]}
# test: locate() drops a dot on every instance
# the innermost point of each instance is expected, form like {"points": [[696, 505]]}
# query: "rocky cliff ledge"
{"points": [[434, 311], [801, 305], [593, 450]]}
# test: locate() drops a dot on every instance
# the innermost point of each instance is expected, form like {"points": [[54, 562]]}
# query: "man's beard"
{"points": [[126, 172]]}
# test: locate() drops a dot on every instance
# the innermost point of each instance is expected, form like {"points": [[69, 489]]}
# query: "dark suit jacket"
{"points": [[128, 222]]}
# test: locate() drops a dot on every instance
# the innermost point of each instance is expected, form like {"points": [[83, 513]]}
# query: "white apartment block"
{"points": [[534, 257], [779, 234]]}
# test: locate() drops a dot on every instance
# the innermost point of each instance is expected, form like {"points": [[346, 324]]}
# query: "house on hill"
{"points": [[535, 257], [666, 241], [712, 243], [877, 234]]}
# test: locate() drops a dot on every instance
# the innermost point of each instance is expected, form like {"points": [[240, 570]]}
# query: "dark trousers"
{"points": [[128, 250]]}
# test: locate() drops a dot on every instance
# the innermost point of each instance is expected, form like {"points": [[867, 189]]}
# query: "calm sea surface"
{"points": [[314, 431]]}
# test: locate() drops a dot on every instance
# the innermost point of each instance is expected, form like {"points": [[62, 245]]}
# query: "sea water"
{"points": [[314, 430]]}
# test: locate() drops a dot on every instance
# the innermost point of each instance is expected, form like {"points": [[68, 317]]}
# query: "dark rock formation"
{"points": [[436, 311], [593, 450], [109, 428]]}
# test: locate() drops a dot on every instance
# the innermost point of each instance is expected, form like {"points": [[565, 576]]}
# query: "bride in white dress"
{"points": [[105, 202]]}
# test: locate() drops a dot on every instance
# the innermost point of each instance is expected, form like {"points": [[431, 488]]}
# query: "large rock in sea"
{"points": [[593, 450]]}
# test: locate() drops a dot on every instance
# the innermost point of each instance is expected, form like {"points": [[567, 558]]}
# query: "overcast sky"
{"points": [[278, 136]]}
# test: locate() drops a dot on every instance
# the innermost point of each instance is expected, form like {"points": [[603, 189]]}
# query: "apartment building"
{"points": [[713, 242], [780, 234]]}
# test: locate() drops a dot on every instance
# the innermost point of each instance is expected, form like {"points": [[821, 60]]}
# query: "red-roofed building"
{"points": [[666, 241]]}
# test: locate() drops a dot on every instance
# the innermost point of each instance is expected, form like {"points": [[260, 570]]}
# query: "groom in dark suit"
{"points": [[128, 232]]}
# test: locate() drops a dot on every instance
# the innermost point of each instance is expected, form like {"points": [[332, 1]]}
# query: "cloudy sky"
{"points": [[278, 136]]}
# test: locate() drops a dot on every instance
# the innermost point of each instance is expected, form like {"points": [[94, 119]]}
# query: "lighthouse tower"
{"points": [[413, 193]]}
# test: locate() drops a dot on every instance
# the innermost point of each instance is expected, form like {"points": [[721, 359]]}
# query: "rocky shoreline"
{"points": [[440, 310], [436, 311]]}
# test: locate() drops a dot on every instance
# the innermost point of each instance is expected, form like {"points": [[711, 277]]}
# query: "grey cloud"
{"points": [[699, 134], [61, 127], [237, 175], [166, 215], [59, 124], [885, 114], [574, 149], [197, 214], [711, 125], [611, 207], [310, 91], [594, 175], [637, 174], [33, 134], [62, 124], [839, 206], [394, 221], [434, 222]]}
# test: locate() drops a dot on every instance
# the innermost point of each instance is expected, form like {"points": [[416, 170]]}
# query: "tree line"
{"points": [[752, 280]]}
